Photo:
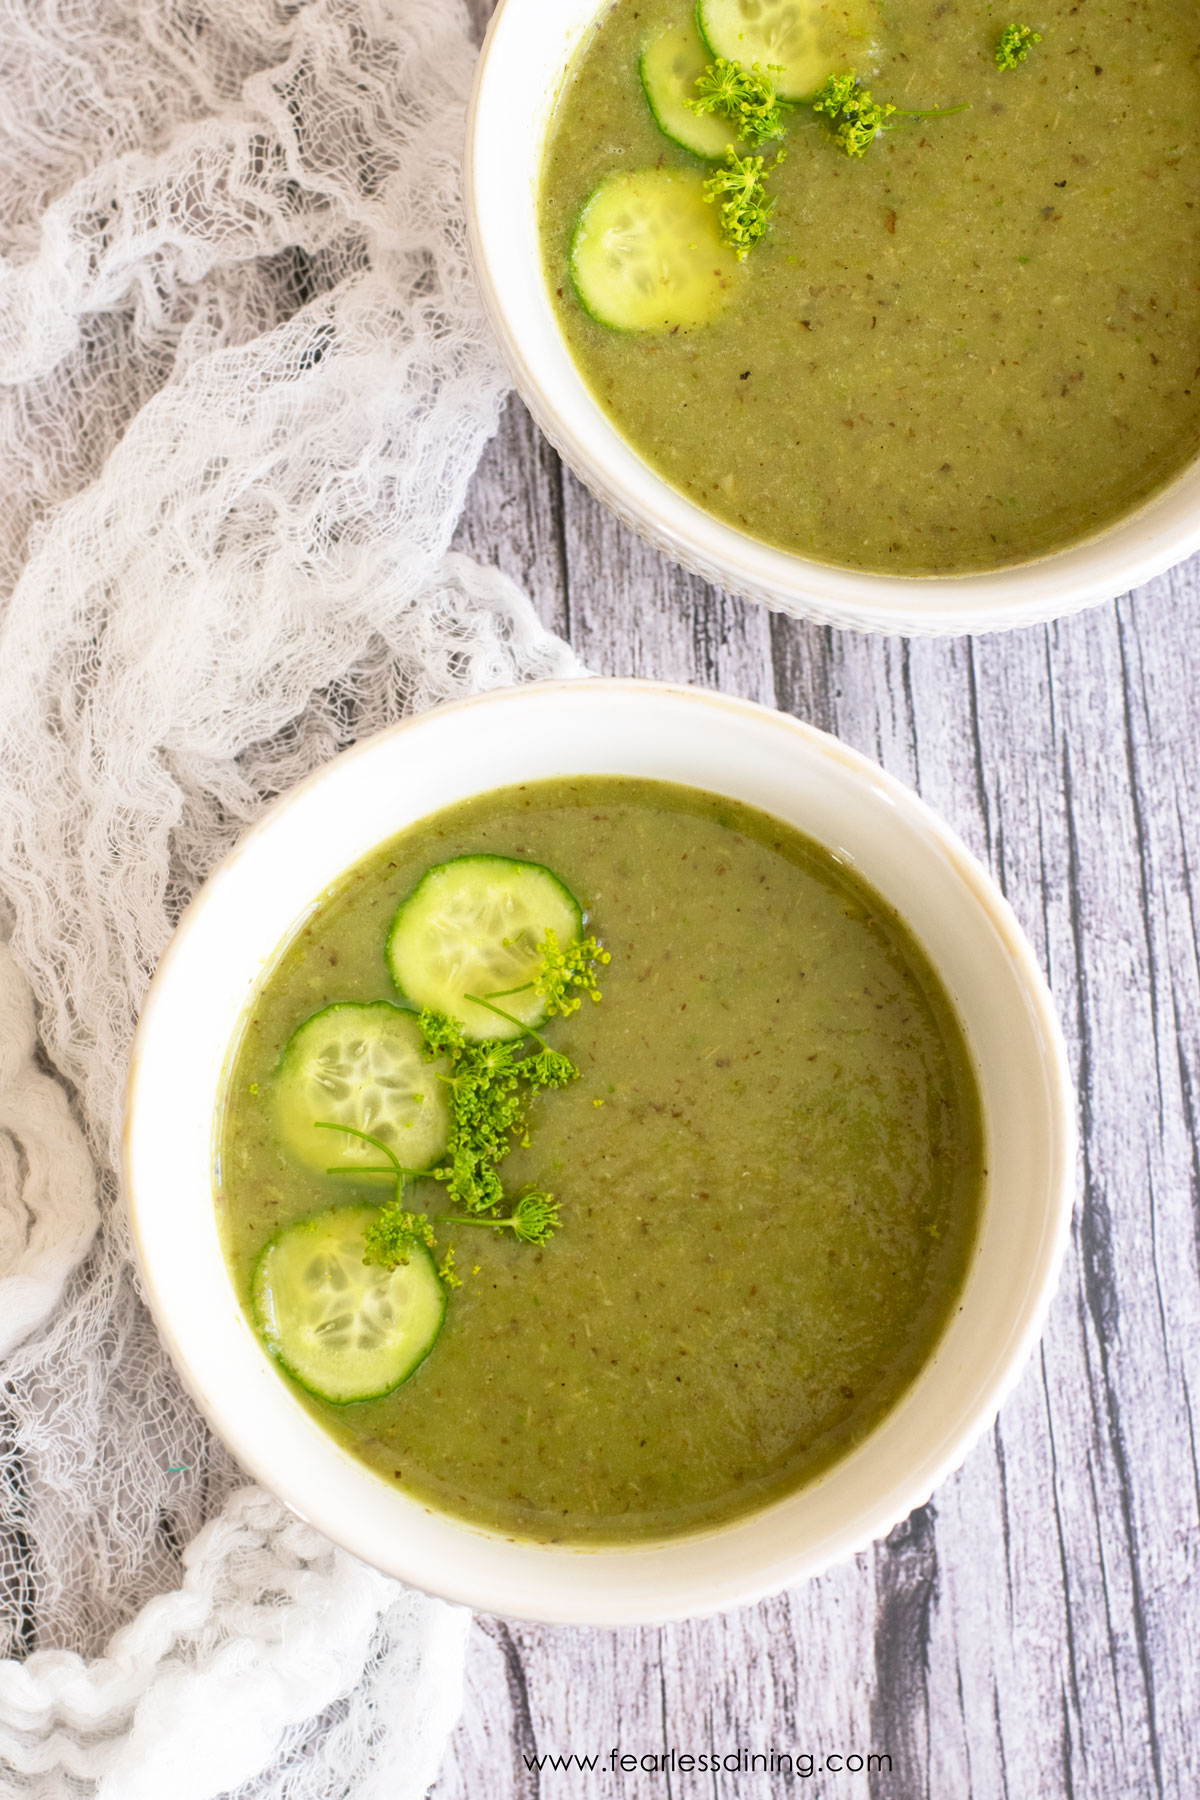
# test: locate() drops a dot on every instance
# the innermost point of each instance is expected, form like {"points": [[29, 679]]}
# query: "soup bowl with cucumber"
{"points": [[885, 316], [611, 1187]]}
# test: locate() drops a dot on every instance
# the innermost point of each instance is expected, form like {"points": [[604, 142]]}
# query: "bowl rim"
{"points": [[555, 1604], [1159, 532]]}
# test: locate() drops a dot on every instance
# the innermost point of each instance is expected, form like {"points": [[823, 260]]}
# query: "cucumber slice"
{"points": [[345, 1329], [670, 67], [365, 1066], [803, 40], [476, 926], [647, 252]]}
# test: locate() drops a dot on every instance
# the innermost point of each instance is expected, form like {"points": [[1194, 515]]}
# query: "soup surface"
{"points": [[769, 1173], [975, 344]]}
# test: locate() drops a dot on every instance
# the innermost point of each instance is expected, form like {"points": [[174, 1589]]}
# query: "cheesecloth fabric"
{"points": [[243, 383]]}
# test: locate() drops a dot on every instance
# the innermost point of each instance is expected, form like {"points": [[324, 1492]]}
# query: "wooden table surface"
{"points": [[1035, 1629]]}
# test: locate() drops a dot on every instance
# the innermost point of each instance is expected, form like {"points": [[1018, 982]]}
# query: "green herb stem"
{"points": [[490, 1083], [857, 119], [533, 1220], [365, 1171], [395, 1167], [508, 1017]]}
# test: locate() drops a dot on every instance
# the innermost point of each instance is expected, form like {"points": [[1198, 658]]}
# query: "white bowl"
{"points": [[525, 56], [230, 934]]}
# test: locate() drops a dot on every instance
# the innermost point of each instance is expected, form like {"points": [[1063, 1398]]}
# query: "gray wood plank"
{"points": [[1036, 1628], [515, 516]]}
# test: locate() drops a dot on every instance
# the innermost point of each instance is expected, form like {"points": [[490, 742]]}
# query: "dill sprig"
{"points": [[856, 117], [559, 970], [746, 97], [491, 1082], [395, 1232], [546, 1068], [1014, 45], [533, 1220], [486, 1107], [395, 1168], [564, 970], [745, 208], [549, 1069], [490, 1086], [444, 1035]]}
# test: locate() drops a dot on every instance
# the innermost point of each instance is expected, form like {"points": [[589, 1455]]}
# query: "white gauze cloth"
{"points": [[244, 381]]}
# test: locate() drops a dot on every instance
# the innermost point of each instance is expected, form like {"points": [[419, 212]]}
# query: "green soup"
{"points": [[769, 1174], [975, 345]]}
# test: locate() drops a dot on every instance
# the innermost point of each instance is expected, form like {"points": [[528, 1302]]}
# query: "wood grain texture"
{"points": [[1035, 1629]]}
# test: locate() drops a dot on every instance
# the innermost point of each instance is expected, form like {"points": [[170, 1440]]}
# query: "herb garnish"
{"points": [[858, 118], [1014, 46], [562, 970], [746, 97], [490, 1085], [391, 1236], [395, 1233], [745, 211], [547, 1068], [486, 1106], [534, 1219], [394, 1166]]}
